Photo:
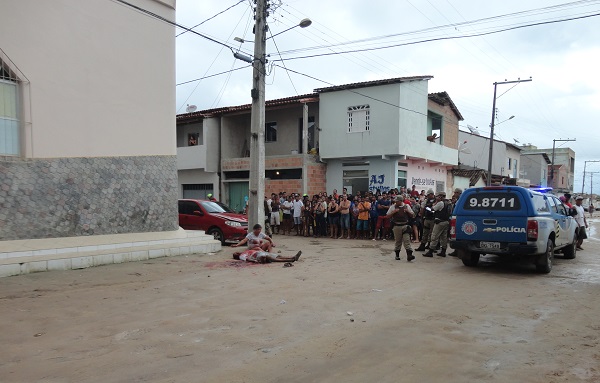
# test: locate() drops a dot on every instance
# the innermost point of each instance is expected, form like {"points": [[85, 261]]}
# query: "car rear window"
{"points": [[503, 201]]}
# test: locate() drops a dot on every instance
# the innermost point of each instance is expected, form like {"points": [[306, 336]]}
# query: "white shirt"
{"points": [[580, 217], [288, 205], [298, 205]]}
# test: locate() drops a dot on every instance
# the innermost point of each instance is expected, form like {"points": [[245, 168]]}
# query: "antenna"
{"points": [[191, 108], [473, 130], [516, 141]]}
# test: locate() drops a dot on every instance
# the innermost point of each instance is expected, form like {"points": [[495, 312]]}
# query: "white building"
{"points": [[87, 135], [374, 135], [475, 153]]}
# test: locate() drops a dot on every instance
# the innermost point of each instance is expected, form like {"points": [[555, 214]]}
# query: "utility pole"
{"points": [[553, 149], [584, 166], [592, 184], [489, 172], [256, 210]]}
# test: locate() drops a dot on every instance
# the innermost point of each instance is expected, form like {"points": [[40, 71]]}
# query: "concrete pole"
{"points": [[256, 211], [491, 154], [305, 148]]}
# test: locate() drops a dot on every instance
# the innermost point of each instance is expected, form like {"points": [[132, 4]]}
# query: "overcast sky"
{"points": [[562, 101]]}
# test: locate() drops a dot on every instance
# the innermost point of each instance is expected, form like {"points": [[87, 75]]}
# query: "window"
{"points": [[188, 207], [540, 205], [562, 181], [271, 132], [434, 127], [9, 121], [509, 164], [359, 119], [402, 178]]}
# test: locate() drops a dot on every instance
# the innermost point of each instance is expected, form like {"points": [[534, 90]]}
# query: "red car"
{"points": [[214, 218]]}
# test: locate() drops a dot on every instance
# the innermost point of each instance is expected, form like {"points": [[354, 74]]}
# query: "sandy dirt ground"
{"points": [[346, 312]]}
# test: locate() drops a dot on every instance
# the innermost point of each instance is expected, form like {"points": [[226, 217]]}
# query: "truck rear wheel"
{"points": [[544, 262], [469, 258]]}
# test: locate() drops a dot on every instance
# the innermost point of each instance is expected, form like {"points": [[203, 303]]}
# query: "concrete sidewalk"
{"points": [[35, 255]]}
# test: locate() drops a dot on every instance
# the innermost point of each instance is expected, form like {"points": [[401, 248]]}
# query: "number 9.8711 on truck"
{"points": [[512, 221]]}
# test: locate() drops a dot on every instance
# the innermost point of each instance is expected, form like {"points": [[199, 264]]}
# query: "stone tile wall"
{"points": [[64, 197]]}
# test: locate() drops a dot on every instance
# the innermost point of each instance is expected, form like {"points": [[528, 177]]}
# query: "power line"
{"points": [[283, 62], [212, 17], [159, 17], [446, 38], [213, 75], [456, 25]]}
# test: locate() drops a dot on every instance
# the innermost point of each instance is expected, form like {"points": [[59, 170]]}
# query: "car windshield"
{"points": [[216, 207]]}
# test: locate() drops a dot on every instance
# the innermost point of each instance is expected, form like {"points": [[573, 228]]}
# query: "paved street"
{"points": [[346, 312]]}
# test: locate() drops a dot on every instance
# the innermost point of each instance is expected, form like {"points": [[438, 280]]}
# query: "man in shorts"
{"points": [[257, 240], [581, 221], [259, 256], [344, 215]]}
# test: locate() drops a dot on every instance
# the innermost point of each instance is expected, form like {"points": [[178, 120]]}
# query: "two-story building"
{"points": [[534, 166], [506, 157], [222, 163], [564, 176], [390, 133], [380, 135]]}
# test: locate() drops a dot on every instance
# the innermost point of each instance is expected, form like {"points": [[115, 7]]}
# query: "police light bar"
{"points": [[542, 189]]}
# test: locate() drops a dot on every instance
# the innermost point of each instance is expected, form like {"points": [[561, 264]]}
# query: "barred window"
{"points": [[358, 119], [9, 119]]}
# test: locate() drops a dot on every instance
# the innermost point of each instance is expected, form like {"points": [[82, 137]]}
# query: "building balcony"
{"points": [[191, 157]]}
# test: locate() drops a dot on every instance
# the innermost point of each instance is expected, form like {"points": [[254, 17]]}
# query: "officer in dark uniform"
{"points": [[442, 211], [428, 220]]}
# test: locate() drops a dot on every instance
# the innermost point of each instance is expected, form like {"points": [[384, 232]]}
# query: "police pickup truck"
{"points": [[512, 221]]}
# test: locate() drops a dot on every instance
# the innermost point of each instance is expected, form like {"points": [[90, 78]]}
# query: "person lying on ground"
{"points": [[257, 240], [259, 256]]}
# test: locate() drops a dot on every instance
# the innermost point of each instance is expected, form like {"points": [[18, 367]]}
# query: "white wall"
{"points": [[479, 147], [101, 76], [393, 130], [425, 176], [196, 176]]}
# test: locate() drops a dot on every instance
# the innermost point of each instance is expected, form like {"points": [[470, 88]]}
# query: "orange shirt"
{"points": [[364, 215]]}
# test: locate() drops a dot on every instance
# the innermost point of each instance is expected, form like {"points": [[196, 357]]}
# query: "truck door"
{"points": [[559, 214]]}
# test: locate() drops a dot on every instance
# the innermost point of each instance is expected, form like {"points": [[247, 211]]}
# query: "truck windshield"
{"points": [[493, 201]]}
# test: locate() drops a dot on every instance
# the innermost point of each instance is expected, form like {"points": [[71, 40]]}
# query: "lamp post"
{"points": [[256, 211], [489, 171]]}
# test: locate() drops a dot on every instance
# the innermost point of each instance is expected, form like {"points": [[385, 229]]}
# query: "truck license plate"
{"points": [[489, 245]]}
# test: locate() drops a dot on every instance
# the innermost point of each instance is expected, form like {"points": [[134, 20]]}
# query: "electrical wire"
{"points": [[446, 38], [213, 75], [212, 17], [159, 17], [455, 26]]}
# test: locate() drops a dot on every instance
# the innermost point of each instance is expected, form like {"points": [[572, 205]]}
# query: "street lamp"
{"points": [[489, 172], [510, 118], [302, 24]]}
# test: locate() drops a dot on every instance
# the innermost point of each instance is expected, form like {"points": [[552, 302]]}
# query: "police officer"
{"points": [[455, 197], [442, 211], [399, 213], [428, 220]]}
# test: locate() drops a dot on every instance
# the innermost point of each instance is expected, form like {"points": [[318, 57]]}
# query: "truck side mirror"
{"points": [[573, 212]]}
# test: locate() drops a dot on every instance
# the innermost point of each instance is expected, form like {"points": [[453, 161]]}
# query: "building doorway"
{"points": [[238, 194]]}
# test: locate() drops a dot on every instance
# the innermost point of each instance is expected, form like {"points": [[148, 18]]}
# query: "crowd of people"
{"points": [[406, 216]]}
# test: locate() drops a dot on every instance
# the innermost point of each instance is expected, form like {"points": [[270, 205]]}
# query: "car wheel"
{"points": [[469, 258], [217, 235], [544, 264], [570, 251]]}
